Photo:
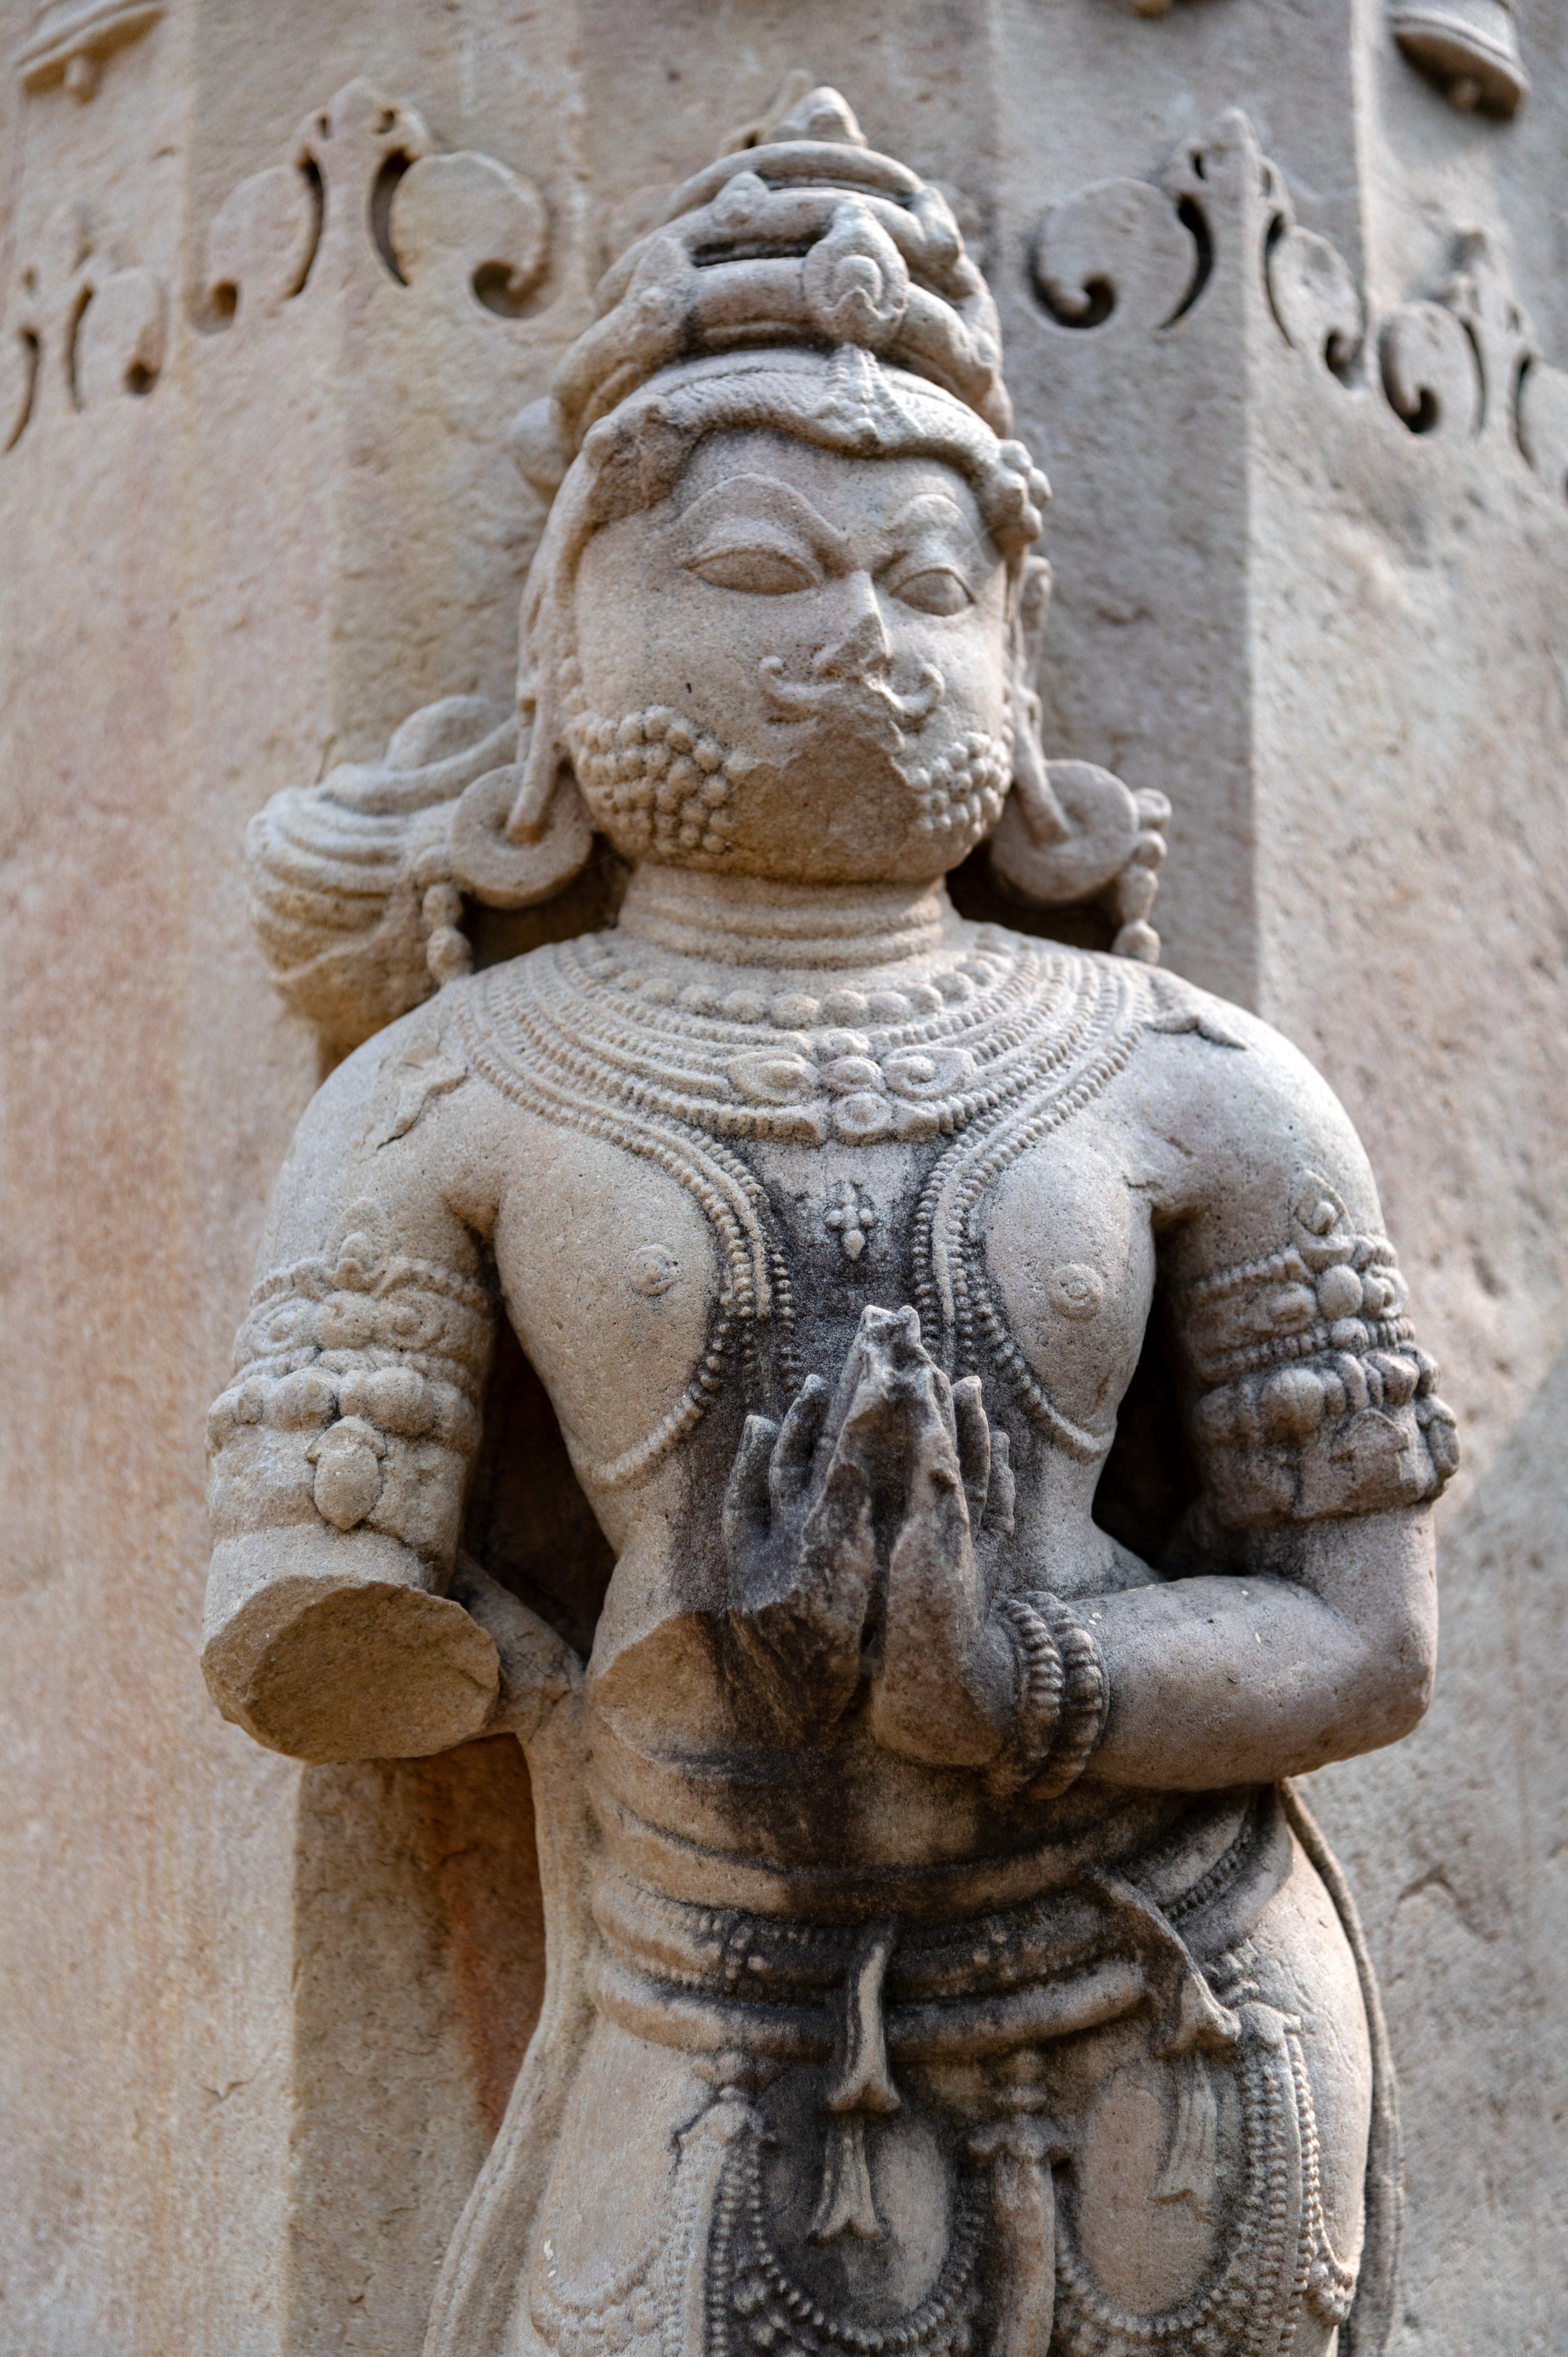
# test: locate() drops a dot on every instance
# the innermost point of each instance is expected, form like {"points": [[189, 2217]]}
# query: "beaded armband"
{"points": [[356, 1394], [1064, 1697], [1313, 1400]]}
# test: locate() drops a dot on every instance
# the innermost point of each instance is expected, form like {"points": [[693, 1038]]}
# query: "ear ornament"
{"points": [[520, 833]]}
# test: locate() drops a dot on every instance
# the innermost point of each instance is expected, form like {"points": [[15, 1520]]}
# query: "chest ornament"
{"points": [[984, 1060], [851, 1215], [925, 1062]]}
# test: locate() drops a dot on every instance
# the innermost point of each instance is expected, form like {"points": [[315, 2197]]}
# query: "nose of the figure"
{"points": [[862, 650]]}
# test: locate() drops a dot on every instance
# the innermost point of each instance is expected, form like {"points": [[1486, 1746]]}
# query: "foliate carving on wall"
{"points": [[1119, 252], [1495, 386], [1429, 370], [70, 41], [1130, 257], [365, 192], [83, 327], [365, 189]]}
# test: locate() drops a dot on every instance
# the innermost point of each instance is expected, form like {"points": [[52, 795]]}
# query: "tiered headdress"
{"points": [[809, 240]]}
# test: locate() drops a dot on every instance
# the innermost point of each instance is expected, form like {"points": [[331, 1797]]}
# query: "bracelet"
{"points": [[1041, 1679], [1086, 1697]]}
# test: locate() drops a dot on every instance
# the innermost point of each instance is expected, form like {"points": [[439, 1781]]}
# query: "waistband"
{"points": [[1168, 1854], [712, 1978]]}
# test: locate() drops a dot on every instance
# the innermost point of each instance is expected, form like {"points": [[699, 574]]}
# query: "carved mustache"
{"points": [[855, 670]]}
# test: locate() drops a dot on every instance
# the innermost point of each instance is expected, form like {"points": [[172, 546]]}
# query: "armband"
{"points": [[1313, 1399]]}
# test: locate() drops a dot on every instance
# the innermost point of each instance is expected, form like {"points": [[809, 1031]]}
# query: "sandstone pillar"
{"points": [[1288, 330]]}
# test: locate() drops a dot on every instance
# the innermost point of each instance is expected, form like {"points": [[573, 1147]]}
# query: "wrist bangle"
{"points": [[1037, 1713], [1086, 1697]]}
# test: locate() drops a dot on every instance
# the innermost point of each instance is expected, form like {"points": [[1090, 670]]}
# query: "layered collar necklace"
{"points": [[985, 1054], [796, 1066]]}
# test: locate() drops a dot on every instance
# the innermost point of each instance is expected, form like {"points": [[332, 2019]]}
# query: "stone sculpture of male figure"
{"points": [[938, 1961]]}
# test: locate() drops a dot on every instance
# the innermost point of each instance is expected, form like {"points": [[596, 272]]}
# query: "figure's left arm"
{"points": [[1304, 1629]]}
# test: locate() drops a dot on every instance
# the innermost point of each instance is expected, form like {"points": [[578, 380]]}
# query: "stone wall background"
{"points": [[257, 2020]]}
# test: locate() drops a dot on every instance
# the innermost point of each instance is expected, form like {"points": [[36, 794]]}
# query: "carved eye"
{"points": [[761, 567], [935, 590]]}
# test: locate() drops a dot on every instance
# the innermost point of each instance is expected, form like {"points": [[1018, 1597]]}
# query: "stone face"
{"points": [[262, 351]]}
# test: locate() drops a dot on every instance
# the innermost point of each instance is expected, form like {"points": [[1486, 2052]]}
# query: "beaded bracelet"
{"points": [[1086, 1697], [1040, 1683]]}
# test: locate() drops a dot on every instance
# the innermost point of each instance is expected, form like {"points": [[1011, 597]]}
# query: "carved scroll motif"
{"points": [[84, 322], [1126, 257], [1117, 252], [365, 188], [364, 199], [1429, 370], [1313, 296], [1521, 401], [83, 327]]}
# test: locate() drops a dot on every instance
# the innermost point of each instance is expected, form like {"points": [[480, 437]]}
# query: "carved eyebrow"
{"points": [[933, 512], [761, 498], [932, 507]]}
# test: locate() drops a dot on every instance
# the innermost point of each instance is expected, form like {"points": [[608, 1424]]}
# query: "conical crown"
{"points": [[809, 239]]}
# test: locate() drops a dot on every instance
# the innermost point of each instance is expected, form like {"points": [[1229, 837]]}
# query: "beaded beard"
{"points": [[661, 789]]}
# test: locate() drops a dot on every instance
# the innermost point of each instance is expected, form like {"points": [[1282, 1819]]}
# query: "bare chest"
{"points": [[696, 1209], [645, 1300]]}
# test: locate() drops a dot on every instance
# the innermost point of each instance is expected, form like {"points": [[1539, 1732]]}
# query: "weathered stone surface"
{"points": [[837, 1229], [253, 549]]}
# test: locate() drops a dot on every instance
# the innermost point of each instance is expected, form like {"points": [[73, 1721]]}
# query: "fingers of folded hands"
{"points": [[919, 1435]]}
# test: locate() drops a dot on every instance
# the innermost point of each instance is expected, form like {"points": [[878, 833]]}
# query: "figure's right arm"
{"points": [[340, 1449]]}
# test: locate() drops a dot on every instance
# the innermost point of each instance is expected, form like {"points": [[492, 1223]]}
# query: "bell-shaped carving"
{"points": [[1469, 47]]}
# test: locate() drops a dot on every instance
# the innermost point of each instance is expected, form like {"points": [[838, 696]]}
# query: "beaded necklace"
{"points": [[991, 1053]]}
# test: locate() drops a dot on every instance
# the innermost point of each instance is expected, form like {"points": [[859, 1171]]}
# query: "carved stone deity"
{"points": [[939, 1959]]}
